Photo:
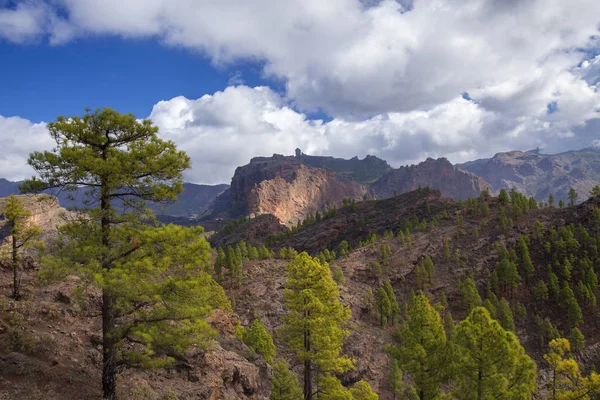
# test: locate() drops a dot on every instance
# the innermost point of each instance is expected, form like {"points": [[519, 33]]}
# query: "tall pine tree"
{"points": [[314, 327]]}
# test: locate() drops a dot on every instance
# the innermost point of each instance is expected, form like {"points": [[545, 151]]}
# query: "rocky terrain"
{"points": [[439, 174], [58, 354], [540, 175]]}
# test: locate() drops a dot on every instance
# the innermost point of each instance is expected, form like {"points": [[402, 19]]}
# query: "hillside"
{"points": [[462, 240], [540, 175]]}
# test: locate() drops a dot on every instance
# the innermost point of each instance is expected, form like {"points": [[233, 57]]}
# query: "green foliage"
{"points": [[506, 271], [258, 340], [505, 316], [423, 351], [490, 362], [314, 325], [567, 382], [284, 385], [561, 204], [540, 291], [396, 383], [503, 196], [362, 391], [338, 275], [23, 235], [368, 301], [343, 248], [595, 191], [154, 286], [569, 304], [577, 339], [383, 305], [572, 197], [551, 200], [547, 331], [394, 307], [525, 264], [469, 295]]}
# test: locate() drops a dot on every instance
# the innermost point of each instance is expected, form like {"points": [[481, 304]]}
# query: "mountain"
{"points": [[194, 200], [293, 187], [540, 175], [56, 337], [288, 189], [440, 174], [7, 187]]}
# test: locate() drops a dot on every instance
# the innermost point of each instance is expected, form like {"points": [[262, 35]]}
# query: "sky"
{"points": [[228, 80]]}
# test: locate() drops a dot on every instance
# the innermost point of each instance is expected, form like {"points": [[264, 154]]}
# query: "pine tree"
{"points": [[396, 384], [503, 196], [154, 288], [284, 385], [469, 294], [595, 191], [572, 197], [22, 235], [343, 248], [540, 291], [561, 204], [423, 349], [569, 304], [505, 316], [362, 391], [567, 382], [394, 307], [258, 340], [383, 305], [490, 362], [525, 260], [220, 262], [314, 325], [551, 200], [577, 339]]}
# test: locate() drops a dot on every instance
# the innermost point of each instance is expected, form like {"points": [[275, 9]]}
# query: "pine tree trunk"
{"points": [[109, 359], [15, 265], [109, 353]]}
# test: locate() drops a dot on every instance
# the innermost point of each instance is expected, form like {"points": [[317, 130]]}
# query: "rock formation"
{"points": [[437, 174], [540, 175]]}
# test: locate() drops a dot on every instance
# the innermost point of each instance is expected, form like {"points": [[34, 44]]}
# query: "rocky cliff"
{"points": [[437, 174], [539, 175], [45, 213], [288, 189]]}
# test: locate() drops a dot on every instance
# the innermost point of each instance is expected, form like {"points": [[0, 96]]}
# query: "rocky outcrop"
{"points": [[311, 190], [286, 188], [540, 175], [45, 213], [437, 174]]}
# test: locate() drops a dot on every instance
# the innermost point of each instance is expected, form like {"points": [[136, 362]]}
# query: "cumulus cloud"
{"points": [[356, 58], [19, 137], [226, 129], [389, 73]]}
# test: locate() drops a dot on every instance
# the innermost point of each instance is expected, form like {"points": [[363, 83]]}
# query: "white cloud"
{"points": [[391, 73], [358, 58], [226, 129], [19, 137]]}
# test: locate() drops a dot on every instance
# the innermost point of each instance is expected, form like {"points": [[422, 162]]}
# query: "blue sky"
{"points": [[229, 80], [41, 82]]}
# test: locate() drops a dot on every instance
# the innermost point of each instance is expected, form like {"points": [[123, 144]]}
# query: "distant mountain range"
{"points": [[292, 187], [540, 175]]}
